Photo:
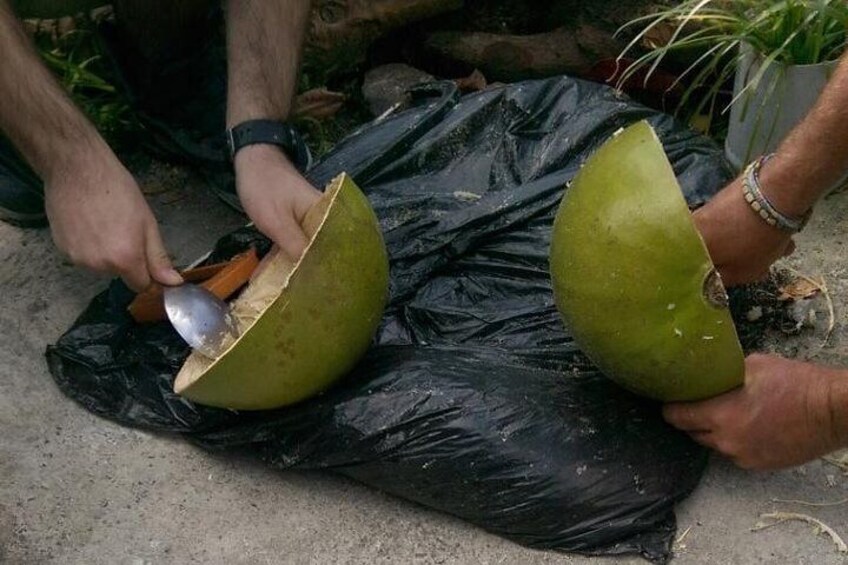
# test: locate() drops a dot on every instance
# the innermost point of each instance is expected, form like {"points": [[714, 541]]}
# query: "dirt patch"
{"points": [[801, 328]]}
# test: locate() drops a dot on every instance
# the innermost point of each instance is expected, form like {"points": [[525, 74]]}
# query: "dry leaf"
{"points": [[799, 289], [659, 35], [804, 287], [318, 103], [474, 82]]}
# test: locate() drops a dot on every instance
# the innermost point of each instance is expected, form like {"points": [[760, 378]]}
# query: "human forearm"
{"points": [[98, 216], [814, 157], [263, 54], [35, 112], [263, 46]]}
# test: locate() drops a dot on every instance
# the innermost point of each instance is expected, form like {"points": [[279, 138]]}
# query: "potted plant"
{"points": [[782, 54]]}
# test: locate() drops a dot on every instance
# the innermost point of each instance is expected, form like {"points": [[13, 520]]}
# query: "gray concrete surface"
{"points": [[75, 489]]}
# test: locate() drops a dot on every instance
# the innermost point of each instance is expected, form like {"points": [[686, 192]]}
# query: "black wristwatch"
{"points": [[272, 132]]}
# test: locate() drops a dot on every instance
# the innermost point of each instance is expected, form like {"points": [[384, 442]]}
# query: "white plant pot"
{"points": [[762, 116]]}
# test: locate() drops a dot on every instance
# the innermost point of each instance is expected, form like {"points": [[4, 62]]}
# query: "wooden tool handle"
{"points": [[221, 279]]}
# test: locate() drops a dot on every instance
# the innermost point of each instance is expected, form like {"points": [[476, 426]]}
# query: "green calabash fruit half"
{"points": [[302, 326], [634, 281]]}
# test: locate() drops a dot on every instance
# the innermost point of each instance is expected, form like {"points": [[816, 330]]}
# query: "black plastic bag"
{"points": [[473, 399]]}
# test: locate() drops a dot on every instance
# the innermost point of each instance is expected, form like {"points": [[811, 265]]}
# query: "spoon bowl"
{"points": [[202, 319]]}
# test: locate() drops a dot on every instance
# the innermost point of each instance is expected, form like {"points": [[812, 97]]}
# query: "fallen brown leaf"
{"points": [[318, 103], [474, 82], [659, 35], [800, 288], [805, 287]]}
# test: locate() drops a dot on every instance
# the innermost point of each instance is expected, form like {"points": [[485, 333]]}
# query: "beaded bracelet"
{"points": [[762, 206]]}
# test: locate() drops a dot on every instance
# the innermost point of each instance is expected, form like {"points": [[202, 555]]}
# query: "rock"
{"points": [[388, 85]]}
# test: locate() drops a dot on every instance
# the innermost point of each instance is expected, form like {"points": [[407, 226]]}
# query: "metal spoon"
{"points": [[202, 319]]}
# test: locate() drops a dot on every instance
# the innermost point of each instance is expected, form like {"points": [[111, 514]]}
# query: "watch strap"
{"points": [[272, 132]]}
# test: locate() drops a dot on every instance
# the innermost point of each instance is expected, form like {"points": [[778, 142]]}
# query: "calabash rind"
{"points": [[634, 281], [316, 328]]}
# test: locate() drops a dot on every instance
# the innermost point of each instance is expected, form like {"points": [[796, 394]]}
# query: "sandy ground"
{"points": [[76, 489]]}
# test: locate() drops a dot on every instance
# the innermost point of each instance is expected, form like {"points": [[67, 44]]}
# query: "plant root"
{"points": [[820, 527]]}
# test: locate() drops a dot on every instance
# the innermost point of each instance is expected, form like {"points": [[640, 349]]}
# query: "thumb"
{"points": [[289, 237], [158, 261], [687, 416]]}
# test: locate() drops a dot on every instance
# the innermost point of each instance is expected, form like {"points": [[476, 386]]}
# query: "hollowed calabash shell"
{"points": [[634, 281], [303, 326]]}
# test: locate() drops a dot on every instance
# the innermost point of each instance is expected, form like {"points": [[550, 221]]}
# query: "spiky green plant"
{"points": [[789, 32], [77, 59]]}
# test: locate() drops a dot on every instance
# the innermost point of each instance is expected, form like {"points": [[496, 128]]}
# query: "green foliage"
{"points": [[789, 32], [77, 59], [80, 62]]}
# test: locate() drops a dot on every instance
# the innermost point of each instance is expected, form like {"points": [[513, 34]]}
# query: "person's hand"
{"points": [[783, 415], [275, 196], [100, 220], [741, 245]]}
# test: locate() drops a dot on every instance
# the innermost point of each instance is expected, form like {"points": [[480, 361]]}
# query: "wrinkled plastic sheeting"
{"points": [[473, 399]]}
